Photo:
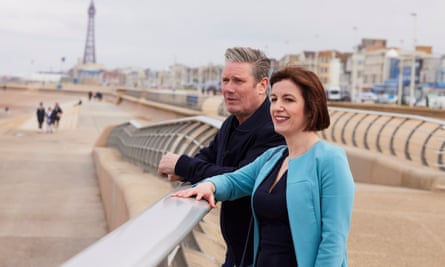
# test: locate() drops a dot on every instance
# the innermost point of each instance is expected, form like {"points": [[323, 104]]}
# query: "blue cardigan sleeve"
{"points": [[240, 183]]}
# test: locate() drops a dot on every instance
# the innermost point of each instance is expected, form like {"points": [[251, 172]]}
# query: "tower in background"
{"points": [[89, 55]]}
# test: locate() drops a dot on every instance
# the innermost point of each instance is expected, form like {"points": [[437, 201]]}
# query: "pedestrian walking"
{"points": [[49, 122], [40, 116], [56, 116]]}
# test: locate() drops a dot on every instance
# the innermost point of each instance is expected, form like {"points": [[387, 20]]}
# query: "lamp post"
{"points": [[413, 65], [354, 76], [393, 54], [354, 68], [400, 84], [62, 60]]}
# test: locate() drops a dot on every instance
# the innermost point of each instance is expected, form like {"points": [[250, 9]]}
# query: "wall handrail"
{"points": [[407, 137], [141, 242]]}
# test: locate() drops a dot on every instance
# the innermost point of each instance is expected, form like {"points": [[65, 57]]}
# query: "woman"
{"points": [[302, 193]]}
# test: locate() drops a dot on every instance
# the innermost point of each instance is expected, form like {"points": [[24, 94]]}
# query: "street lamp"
{"points": [[354, 78], [392, 53], [413, 64]]}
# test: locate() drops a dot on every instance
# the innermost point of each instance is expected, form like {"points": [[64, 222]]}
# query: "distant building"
{"points": [[52, 77], [89, 73]]}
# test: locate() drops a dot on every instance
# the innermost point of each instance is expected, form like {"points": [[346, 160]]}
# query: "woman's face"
{"points": [[287, 108]]}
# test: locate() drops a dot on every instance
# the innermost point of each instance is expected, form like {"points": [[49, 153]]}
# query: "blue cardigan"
{"points": [[319, 196]]}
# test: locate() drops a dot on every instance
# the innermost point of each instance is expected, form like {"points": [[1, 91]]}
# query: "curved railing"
{"points": [[413, 138], [144, 146]]}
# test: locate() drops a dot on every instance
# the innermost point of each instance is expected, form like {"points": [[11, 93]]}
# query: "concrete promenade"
{"points": [[394, 226], [50, 207]]}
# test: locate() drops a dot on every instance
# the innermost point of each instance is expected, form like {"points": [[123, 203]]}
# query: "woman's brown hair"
{"points": [[314, 95]]}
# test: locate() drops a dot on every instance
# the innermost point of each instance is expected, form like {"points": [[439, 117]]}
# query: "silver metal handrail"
{"points": [[157, 237]]}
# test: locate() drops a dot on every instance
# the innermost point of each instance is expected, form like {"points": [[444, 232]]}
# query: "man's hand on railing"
{"points": [[204, 190], [174, 178], [167, 165]]}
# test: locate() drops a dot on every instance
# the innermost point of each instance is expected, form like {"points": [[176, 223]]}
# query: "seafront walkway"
{"points": [[50, 206], [51, 209]]}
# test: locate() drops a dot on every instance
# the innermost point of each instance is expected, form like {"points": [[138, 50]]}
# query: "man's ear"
{"points": [[262, 86]]}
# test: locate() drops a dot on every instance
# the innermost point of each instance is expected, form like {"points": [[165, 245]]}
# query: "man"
{"points": [[243, 136], [40, 115]]}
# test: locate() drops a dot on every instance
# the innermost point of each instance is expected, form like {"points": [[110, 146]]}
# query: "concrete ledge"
{"points": [[102, 140], [210, 106], [421, 111], [161, 106], [374, 168]]}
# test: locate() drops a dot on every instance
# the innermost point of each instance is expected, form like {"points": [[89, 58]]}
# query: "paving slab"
{"points": [[393, 226]]}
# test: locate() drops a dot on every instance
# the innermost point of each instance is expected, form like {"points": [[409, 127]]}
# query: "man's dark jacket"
{"points": [[233, 147]]}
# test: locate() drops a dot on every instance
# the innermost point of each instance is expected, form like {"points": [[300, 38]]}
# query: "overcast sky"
{"points": [[35, 35]]}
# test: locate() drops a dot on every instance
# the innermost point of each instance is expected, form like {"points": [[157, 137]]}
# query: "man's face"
{"points": [[242, 95]]}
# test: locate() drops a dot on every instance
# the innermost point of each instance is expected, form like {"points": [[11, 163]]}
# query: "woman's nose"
{"points": [[277, 105]]}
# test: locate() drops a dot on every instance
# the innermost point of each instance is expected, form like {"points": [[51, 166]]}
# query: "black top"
{"points": [[276, 247], [40, 113], [233, 147], [55, 114]]}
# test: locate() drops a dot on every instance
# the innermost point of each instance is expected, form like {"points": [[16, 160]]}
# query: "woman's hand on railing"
{"points": [[204, 190]]}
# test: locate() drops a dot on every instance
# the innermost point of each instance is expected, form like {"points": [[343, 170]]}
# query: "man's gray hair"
{"points": [[259, 60]]}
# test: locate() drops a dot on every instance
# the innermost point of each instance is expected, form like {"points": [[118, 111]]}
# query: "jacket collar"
{"points": [[258, 118]]}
